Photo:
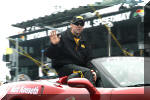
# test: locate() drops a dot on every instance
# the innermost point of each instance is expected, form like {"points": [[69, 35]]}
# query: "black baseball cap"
{"points": [[78, 20]]}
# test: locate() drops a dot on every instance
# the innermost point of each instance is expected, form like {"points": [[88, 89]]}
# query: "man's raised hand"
{"points": [[54, 38]]}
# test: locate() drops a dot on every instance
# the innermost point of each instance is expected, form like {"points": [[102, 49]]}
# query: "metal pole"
{"points": [[109, 43], [42, 58], [17, 58]]}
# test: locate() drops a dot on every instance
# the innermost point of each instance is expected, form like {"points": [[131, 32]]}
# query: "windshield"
{"points": [[127, 71]]}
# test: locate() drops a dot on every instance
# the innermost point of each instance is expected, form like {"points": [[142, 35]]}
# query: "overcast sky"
{"points": [[16, 11]]}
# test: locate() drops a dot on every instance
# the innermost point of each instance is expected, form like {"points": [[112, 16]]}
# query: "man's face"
{"points": [[77, 27]]}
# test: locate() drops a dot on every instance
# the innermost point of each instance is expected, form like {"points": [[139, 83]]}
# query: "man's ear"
{"points": [[71, 25]]}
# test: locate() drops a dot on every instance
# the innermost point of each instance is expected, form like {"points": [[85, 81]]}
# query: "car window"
{"points": [[126, 71]]}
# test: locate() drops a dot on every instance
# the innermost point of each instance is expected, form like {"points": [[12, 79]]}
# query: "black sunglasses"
{"points": [[79, 23]]}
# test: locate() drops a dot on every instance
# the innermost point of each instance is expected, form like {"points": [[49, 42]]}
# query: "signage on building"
{"points": [[105, 20], [108, 20]]}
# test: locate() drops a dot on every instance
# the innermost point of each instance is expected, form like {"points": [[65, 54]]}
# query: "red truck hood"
{"points": [[132, 93], [45, 87]]}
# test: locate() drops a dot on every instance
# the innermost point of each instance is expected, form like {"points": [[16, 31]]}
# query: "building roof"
{"points": [[56, 20]]}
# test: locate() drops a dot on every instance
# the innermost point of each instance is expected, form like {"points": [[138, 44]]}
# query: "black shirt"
{"points": [[68, 52]]}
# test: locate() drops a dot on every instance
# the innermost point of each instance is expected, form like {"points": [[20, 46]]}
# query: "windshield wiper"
{"points": [[138, 85]]}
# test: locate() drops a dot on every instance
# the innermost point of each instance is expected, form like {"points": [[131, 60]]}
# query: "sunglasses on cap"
{"points": [[79, 23]]}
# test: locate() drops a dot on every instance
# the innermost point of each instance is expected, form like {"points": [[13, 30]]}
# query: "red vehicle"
{"points": [[118, 78]]}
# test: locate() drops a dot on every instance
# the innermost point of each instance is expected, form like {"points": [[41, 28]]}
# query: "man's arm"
{"points": [[53, 51], [89, 55]]}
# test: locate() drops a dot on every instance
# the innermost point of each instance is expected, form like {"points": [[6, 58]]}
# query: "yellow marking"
{"points": [[80, 17], [76, 40], [82, 45], [9, 51], [82, 76]]}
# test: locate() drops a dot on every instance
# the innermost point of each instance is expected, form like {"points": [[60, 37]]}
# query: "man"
{"points": [[70, 51]]}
